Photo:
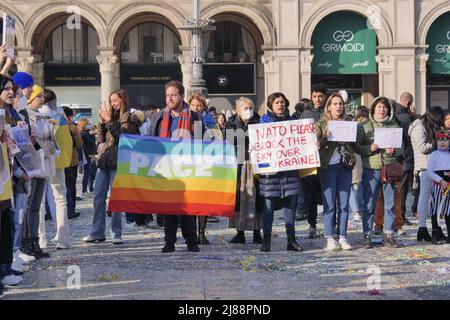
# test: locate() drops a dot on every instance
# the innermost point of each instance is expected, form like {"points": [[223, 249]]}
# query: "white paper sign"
{"points": [[283, 146], [9, 33], [388, 137], [2, 120], [342, 131]]}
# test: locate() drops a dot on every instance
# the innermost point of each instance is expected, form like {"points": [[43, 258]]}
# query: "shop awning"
{"points": [[438, 40]]}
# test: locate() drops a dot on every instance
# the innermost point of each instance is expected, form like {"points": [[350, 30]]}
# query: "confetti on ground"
{"points": [[71, 261], [373, 292], [108, 277], [443, 270], [439, 283], [248, 263], [211, 258]]}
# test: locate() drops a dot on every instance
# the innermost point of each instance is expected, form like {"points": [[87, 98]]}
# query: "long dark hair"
{"points": [[123, 95], [433, 120]]}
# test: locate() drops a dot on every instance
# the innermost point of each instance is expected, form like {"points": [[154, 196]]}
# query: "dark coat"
{"points": [[404, 119], [235, 123]]}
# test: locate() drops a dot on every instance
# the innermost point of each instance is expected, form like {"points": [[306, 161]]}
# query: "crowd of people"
{"points": [[356, 180]]}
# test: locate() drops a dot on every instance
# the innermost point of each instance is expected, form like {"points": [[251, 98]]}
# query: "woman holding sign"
{"points": [[279, 190], [337, 160], [376, 158]]}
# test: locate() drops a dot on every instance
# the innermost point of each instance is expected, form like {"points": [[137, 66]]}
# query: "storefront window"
{"points": [[150, 43], [72, 46], [229, 43]]}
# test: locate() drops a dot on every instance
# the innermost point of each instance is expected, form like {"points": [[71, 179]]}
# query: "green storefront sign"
{"points": [[343, 44], [438, 40]]}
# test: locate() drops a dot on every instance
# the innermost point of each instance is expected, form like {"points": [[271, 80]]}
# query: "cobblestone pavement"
{"points": [[138, 270]]}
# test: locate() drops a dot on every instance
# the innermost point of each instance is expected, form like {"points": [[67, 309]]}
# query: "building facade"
{"points": [[86, 49]]}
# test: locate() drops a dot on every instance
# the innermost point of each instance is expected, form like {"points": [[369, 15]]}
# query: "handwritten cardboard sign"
{"points": [[388, 137], [9, 33], [342, 131], [283, 146]]}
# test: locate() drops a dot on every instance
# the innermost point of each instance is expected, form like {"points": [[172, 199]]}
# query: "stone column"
{"points": [[421, 81], [108, 63], [271, 74], [386, 74], [185, 59], [306, 59], [38, 70]]}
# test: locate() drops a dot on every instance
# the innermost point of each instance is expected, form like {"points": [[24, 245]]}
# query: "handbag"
{"points": [[392, 172], [348, 159]]}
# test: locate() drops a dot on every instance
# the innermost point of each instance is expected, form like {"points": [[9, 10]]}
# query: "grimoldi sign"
{"points": [[343, 44], [438, 40], [149, 74], [72, 75]]}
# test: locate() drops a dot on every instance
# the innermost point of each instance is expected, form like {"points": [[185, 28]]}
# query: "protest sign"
{"points": [[342, 131], [283, 146], [181, 177], [9, 33], [27, 157], [388, 137]]}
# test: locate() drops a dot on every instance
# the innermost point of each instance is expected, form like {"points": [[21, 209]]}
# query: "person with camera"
{"points": [[337, 161]]}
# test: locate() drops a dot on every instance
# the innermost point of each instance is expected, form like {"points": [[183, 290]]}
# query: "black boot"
{"points": [[423, 235], [266, 242], [202, 238], [292, 244], [238, 238], [435, 237], [441, 234], [257, 237], [27, 247], [367, 242], [37, 251], [447, 222]]}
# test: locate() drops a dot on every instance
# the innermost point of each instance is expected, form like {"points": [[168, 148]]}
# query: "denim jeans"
{"points": [[86, 175], [301, 200], [103, 183], [20, 205], [71, 187], [288, 204], [336, 183], [372, 182], [357, 198]]}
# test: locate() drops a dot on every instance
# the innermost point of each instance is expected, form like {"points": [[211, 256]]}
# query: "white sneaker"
{"points": [[18, 266], [356, 216], [24, 257], [331, 244], [12, 280], [117, 241], [62, 245], [401, 232], [344, 244]]}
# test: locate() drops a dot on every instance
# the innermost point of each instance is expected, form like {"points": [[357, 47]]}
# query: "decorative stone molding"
{"points": [[385, 61], [270, 62], [258, 16], [421, 61], [432, 12], [107, 63], [186, 62], [306, 60], [324, 8], [25, 64]]}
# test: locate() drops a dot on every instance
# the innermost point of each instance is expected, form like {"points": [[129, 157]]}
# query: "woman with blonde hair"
{"points": [[335, 174]]}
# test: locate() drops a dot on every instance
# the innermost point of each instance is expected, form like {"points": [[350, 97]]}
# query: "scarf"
{"points": [[382, 120], [185, 124], [270, 117]]}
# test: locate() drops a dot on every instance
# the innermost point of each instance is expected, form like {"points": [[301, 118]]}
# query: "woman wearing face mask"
{"points": [[381, 115], [280, 190], [335, 179], [113, 122], [247, 215]]}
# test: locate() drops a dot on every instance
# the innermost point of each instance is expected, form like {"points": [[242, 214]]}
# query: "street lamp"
{"points": [[197, 27]]}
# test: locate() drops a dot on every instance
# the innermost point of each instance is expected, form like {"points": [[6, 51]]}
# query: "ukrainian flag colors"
{"points": [[190, 177]]}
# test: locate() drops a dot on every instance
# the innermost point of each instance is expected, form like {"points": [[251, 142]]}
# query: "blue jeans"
{"points": [[86, 175], [301, 200], [372, 182], [357, 198], [336, 183], [103, 183], [288, 204]]}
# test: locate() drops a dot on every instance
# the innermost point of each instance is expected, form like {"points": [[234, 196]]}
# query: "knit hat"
{"points": [[23, 80], [37, 90]]}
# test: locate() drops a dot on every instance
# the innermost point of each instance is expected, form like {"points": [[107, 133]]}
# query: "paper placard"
{"points": [[283, 146], [342, 131], [9, 33], [2, 120], [388, 137]]}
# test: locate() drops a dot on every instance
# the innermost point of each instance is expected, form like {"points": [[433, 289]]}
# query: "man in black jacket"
{"points": [[404, 118], [311, 185]]}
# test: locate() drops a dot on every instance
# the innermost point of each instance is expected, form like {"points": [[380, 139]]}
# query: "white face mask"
{"points": [[247, 114], [22, 103]]}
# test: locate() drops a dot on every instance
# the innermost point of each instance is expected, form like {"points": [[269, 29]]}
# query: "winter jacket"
{"points": [[108, 138], [365, 138], [311, 112], [235, 123], [89, 146], [421, 145], [327, 148], [77, 143], [404, 119], [281, 184]]}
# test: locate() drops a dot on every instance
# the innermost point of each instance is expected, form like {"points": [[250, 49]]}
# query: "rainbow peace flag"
{"points": [[183, 177]]}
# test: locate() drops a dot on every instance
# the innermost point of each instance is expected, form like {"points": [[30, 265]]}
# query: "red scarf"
{"points": [[184, 125]]}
